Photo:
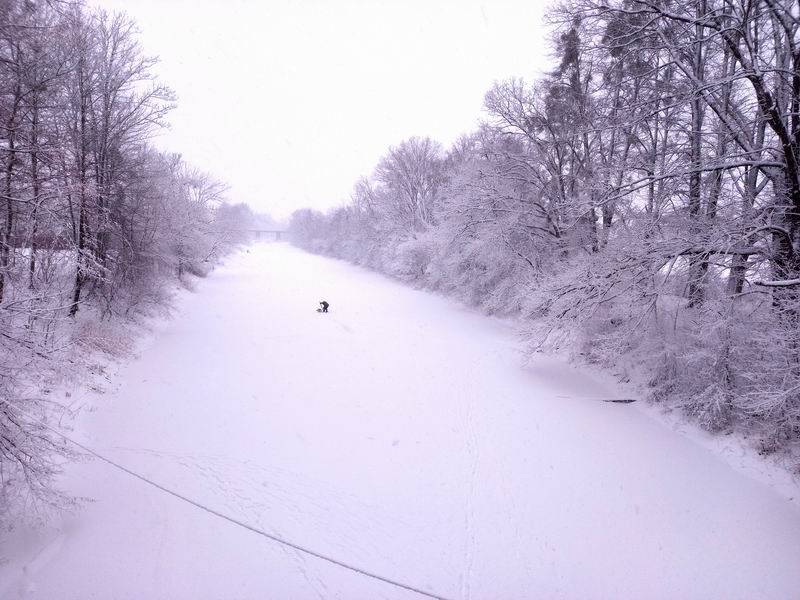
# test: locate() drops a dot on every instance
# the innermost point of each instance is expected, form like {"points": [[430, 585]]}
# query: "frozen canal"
{"points": [[401, 433]]}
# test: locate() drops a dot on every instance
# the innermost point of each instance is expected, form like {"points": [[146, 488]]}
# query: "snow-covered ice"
{"points": [[400, 432]]}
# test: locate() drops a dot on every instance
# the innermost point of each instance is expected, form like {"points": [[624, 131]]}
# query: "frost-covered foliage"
{"points": [[94, 222], [639, 205]]}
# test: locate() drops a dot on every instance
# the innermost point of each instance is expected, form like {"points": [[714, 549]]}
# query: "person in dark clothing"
{"points": [[324, 306]]}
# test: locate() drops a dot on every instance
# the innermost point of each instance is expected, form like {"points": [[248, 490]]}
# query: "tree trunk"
{"points": [[696, 291], [6, 237], [80, 268], [36, 187]]}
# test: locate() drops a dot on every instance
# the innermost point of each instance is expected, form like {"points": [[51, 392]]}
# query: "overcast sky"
{"points": [[291, 101]]}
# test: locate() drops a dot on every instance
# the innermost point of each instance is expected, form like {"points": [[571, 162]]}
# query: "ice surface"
{"points": [[399, 432]]}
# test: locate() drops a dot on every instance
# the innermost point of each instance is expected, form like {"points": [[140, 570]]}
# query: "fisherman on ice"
{"points": [[324, 306]]}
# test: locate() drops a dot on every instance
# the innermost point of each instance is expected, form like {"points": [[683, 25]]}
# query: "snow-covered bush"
{"points": [[412, 257]]}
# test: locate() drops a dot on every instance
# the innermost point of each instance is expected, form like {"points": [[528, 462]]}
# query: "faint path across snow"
{"points": [[401, 433]]}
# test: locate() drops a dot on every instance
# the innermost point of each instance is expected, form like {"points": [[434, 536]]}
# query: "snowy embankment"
{"points": [[400, 433]]}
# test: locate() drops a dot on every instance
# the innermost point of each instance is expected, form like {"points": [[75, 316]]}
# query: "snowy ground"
{"points": [[401, 433]]}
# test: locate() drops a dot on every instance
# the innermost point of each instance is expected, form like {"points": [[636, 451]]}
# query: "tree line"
{"points": [[639, 205], [94, 221]]}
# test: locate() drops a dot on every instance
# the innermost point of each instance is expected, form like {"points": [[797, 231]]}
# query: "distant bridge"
{"points": [[258, 234], [265, 234]]}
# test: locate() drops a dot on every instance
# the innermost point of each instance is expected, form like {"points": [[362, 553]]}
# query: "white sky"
{"points": [[291, 101]]}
